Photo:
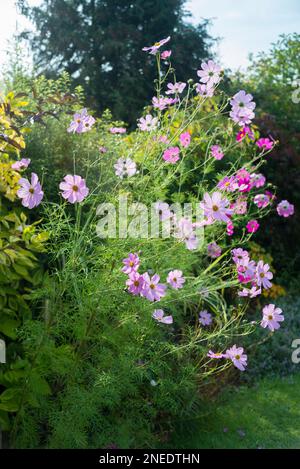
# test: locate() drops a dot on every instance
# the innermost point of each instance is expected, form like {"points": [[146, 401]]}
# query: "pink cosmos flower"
{"points": [[205, 318], [242, 108], [171, 155], [135, 283], [131, 263], [243, 178], [210, 73], [240, 206], [240, 257], [163, 209], [125, 167], [285, 209], [162, 102], [22, 164], [228, 184], [117, 130], [156, 46], [247, 272], [185, 231], [148, 123], [175, 88], [272, 316], [246, 130], [216, 207], [261, 200], [216, 355], [82, 122], [252, 226], [263, 275], [265, 143], [216, 152], [257, 180], [237, 356], [185, 139], [175, 279], [166, 54], [251, 292], [73, 188], [214, 250], [30, 192], [204, 90], [152, 289], [159, 316], [102, 149], [230, 228]]}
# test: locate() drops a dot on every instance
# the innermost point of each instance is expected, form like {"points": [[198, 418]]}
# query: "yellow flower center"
{"points": [[215, 208], [75, 188]]}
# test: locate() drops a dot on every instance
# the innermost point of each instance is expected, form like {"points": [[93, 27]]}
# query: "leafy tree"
{"points": [[99, 42]]}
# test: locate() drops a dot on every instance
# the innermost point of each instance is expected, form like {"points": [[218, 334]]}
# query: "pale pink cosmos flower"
{"points": [[163, 210], [216, 355], [237, 356], [185, 139], [261, 200], [30, 192], [152, 289], [204, 90], [247, 272], [242, 108], [210, 73], [285, 209], [117, 130], [251, 292], [240, 206], [148, 123], [162, 102], [216, 207], [82, 122], [73, 188], [135, 283], [228, 184], [156, 46], [125, 167], [240, 256], [272, 316], [214, 250], [171, 155], [185, 231], [216, 152], [175, 88], [242, 100], [252, 226], [102, 149], [265, 144], [159, 316], [22, 164], [263, 275], [166, 54], [131, 263], [257, 180], [175, 279], [205, 318]]}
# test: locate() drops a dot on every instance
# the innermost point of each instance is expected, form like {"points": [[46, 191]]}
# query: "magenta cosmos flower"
{"points": [[285, 209], [175, 88], [272, 316], [252, 226], [159, 316], [185, 139], [30, 192], [216, 207], [156, 46], [246, 130], [217, 152], [73, 188], [82, 122], [265, 144], [214, 250], [171, 155], [152, 289], [210, 73], [205, 318], [135, 283], [22, 164], [175, 279], [148, 123], [237, 356], [131, 263], [263, 275]]}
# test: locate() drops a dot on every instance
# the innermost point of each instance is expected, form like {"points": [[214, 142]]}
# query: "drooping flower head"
{"points": [[21, 164], [285, 209], [237, 356], [159, 316], [73, 188], [216, 355], [175, 279], [272, 316], [166, 54], [30, 192], [156, 46]]}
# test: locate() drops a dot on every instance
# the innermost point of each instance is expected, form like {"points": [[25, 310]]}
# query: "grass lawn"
{"points": [[266, 416]]}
